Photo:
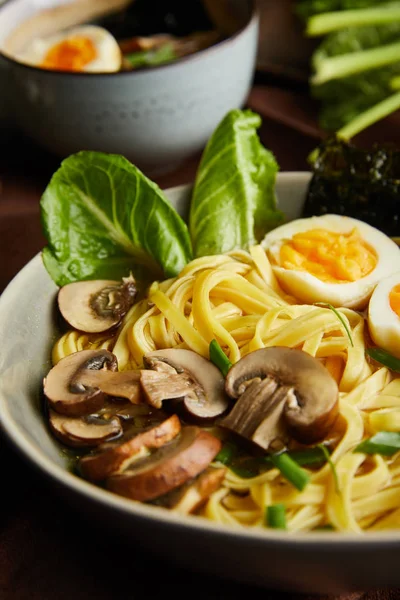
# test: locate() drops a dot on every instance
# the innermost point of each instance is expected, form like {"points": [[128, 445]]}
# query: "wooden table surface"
{"points": [[47, 550]]}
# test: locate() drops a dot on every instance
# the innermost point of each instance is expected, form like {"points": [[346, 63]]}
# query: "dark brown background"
{"points": [[47, 549]]}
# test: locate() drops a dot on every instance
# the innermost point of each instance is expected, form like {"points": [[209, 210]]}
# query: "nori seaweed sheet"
{"points": [[356, 182]]}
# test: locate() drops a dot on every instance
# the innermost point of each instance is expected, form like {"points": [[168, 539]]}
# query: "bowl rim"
{"points": [[325, 541], [253, 18]]}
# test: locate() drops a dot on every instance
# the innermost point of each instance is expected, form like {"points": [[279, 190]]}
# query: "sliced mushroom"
{"points": [[79, 383], [115, 457], [95, 306], [184, 374], [169, 467], [82, 432], [282, 393], [197, 494]]}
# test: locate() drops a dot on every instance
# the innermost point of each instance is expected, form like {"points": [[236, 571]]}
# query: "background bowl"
{"points": [[313, 562], [156, 117]]}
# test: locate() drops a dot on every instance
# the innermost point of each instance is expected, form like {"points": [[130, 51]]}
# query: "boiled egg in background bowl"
{"points": [[331, 258], [85, 48], [384, 314]]}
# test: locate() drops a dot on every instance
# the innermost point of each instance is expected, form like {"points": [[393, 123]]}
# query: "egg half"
{"points": [[87, 48], [384, 314], [331, 258]]}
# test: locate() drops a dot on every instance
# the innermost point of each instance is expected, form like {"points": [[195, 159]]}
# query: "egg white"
{"points": [[383, 322], [307, 288], [108, 59]]}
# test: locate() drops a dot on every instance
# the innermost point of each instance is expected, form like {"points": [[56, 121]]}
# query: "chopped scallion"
{"points": [[332, 466], [385, 443], [305, 458], [275, 516], [291, 470], [219, 358], [227, 452], [385, 358], [339, 316]]}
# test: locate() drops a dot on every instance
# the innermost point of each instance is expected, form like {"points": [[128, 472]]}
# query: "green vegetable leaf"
{"points": [[385, 443], [385, 358], [103, 218], [233, 203], [151, 58]]}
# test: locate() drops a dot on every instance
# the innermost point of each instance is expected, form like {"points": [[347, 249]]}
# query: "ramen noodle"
{"points": [[236, 299]]}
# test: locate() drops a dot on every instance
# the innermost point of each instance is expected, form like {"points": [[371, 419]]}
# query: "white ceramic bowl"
{"points": [[156, 117], [313, 562]]}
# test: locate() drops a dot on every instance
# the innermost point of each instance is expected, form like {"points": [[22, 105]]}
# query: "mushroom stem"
{"points": [[257, 414], [162, 385], [122, 384]]}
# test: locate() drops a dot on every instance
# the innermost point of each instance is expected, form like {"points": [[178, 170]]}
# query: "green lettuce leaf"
{"points": [[233, 203], [103, 218]]}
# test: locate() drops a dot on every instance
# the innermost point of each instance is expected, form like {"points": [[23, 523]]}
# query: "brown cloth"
{"points": [[47, 549]]}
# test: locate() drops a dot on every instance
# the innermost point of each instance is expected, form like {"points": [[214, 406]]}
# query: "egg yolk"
{"points": [[70, 55], [329, 256], [394, 299]]}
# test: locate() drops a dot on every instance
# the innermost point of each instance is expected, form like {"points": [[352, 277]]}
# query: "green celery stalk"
{"points": [[343, 65], [370, 116], [333, 21], [395, 83]]}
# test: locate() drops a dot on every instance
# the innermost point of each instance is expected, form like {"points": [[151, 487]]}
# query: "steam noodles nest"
{"points": [[236, 299]]}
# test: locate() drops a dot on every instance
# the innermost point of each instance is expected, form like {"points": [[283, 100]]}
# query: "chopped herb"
{"points": [[304, 458], [332, 466], [385, 443], [385, 358], [151, 58], [226, 454], [339, 316], [219, 358], [275, 516], [291, 470]]}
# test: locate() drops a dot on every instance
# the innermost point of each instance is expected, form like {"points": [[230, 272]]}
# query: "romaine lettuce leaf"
{"points": [[103, 218], [233, 202]]}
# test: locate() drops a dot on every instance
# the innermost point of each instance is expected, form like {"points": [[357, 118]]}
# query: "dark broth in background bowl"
{"points": [[148, 33], [157, 117]]}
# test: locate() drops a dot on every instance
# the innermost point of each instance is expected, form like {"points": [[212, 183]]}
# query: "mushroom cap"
{"points": [[82, 432], [96, 306], [172, 465], [313, 406], [205, 398], [113, 457], [64, 386]]}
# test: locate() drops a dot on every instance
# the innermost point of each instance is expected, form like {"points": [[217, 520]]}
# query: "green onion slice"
{"points": [[385, 358], [305, 458], [291, 470], [219, 358], [385, 443], [339, 316], [275, 516], [332, 466], [226, 454]]}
